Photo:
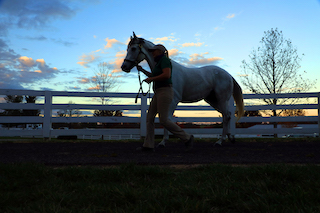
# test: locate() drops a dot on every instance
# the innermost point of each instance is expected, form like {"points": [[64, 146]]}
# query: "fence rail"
{"points": [[47, 118]]}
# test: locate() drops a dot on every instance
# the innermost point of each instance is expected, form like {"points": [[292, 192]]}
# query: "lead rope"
{"points": [[141, 89]]}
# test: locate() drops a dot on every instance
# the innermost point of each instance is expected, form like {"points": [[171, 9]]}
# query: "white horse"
{"points": [[209, 83]]}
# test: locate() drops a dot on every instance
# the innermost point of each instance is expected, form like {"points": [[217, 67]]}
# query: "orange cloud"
{"points": [[94, 88], [41, 61], [111, 42], [199, 59], [173, 52], [84, 80], [198, 44], [25, 61], [166, 38], [118, 61], [87, 59]]}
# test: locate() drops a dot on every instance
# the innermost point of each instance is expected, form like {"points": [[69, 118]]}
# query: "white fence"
{"points": [[48, 106]]}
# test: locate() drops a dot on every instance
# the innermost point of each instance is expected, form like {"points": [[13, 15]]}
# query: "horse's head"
{"points": [[134, 53]]}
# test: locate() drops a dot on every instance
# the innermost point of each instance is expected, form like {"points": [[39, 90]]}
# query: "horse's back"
{"points": [[194, 84]]}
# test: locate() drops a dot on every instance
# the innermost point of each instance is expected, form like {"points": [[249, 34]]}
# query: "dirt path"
{"points": [[114, 153]]}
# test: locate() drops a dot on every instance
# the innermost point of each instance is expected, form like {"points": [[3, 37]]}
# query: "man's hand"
{"points": [[148, 80], [139, 68]]}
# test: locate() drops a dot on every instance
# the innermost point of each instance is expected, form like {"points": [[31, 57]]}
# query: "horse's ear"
{"points": [[134, 35]]}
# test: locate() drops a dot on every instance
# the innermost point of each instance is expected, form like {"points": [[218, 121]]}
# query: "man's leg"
{"points": [[165, 97], [152, 112]]}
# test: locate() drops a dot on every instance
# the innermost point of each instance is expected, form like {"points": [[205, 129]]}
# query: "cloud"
{"points": [[94, 88], [18, 71], [218, 28], [230, 16], [68, 88], [83, 80], [116, 64], [87, 59], [26, 62], [198, 44], [64, 43], [43, 38], [243, 75], [199, 59], [34, 14], [161, 40], [224, 21], [174, 52], [41, 61], [34, 38], [111, 42]]}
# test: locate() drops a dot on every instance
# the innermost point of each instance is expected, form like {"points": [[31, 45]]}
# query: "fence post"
{"points": [[47, 115], [232, 122], [143, 125]]}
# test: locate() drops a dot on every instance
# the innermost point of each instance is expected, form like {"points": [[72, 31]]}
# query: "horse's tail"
{"points": [[238, 98]]}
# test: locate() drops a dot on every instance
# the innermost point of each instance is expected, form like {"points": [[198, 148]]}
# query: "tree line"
{"points": [[20, 112]]}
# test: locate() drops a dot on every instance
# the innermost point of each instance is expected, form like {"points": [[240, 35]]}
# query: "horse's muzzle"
{"points": [[127, 66], [125, 69]]}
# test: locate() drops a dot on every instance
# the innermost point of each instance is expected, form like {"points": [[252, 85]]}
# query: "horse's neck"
{"points": [[150, 59], [148, 55]]}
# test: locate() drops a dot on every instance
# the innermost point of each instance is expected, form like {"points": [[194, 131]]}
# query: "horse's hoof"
{"points": [[161, 145], [217, 144], [232, 140]]}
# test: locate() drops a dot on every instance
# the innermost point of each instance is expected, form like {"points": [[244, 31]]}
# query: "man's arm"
{"points": [[149, 74], [166, 73]]}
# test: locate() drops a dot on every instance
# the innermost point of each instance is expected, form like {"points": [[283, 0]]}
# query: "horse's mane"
{"points": [[137, 40]]}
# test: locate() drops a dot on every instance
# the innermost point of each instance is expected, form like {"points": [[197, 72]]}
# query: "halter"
{"points": [[140, 82], [136, 61]]}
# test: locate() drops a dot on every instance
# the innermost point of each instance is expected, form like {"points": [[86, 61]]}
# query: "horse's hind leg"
{"points": [[221, 106], [226, 115]]}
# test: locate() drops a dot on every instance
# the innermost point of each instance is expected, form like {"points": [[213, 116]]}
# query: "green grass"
{"points": [[132, 188]]}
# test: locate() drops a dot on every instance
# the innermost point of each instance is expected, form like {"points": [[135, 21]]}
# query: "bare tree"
{"points": [[104, 81], [273, 68]]}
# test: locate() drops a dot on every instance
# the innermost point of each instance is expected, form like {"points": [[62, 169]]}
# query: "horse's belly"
{"points": [[194, 94]]}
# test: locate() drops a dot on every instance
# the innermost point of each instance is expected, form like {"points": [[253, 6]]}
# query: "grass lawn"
{"points": [[132, 188]]}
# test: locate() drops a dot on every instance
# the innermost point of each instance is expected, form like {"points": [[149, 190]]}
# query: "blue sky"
{"points": [[57, 44]]}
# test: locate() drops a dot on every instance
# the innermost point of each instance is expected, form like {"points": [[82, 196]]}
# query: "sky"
{"points": [[57, 44]]}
